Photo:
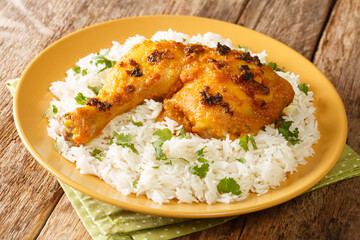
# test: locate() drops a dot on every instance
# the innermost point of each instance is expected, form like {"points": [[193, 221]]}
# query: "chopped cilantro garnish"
{"points": [[84, 72], [50, 111], [242, 160], [95, 89], [76, 70], [290, 136], [200, 171], [138, 124], [81, 99], [164, 134], [135, 183], [54, 109], [243, 47], [155, 167], [200, 155], [184, 40], [274, 66], [244, 142], [183, 133], [252, 140], [228, 185], [96, 153], [57, 147], [125, 141], [304, 88], [101, 59], [168, 163]]}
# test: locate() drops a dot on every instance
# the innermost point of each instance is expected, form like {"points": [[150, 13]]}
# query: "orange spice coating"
{"points": [[213, 92]]}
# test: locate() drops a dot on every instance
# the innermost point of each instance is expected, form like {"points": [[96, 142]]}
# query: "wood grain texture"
{"points": [[338, 56], [298, 24], [65, 224]]}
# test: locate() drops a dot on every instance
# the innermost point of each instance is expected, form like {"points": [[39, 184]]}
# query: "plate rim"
{"points": [[158, 211]]}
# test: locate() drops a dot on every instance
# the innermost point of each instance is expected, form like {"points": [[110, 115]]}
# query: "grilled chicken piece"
{"points": [[212, 92]]}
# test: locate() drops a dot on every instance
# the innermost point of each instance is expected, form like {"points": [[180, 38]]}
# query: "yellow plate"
{"points": [[32, 99]]}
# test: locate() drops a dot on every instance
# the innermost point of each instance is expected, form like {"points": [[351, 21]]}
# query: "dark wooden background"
{"points": [[33, 205]]}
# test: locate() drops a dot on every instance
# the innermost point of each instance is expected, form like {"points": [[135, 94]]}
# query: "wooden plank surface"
{"points": [[31, 201]]}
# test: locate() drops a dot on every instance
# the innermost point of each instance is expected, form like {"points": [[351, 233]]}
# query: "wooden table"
{"points": [[33, 205]]}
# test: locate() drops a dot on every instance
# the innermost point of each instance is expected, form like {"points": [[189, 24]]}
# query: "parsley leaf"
{"points": [[95, 89], [200, 155], [164, 134], [244, 142], [274, 66], [138, 124], [228, 185], [54, 109], [76, 70], [290, 136], [101, 59], [242, 160], [304, 88], [96, 153], [125, 141], [200, 171], [244, 47], [183, 133], [81, 99]]}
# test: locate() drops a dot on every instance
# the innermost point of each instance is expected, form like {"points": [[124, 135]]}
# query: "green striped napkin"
{"points": [[106, 222]]}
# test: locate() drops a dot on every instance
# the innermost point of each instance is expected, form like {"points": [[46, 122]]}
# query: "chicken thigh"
{"points": [[213, 92]]}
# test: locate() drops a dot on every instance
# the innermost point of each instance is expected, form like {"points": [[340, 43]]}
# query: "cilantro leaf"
{"points": [[164, 134], [50, 111], [54, 109], [125, 141], [135, 183], [95, 89], [183, 133], [244, 47], [200, 171], [96, 153], [242, 160], [138, 124], [244, 142], [290, 136], [155, 167], [101, 59], [274, 66], [158, 150], [76, 70], [252, 140], [57, 147], [304, 88], [84, 72], [184, 40], [81, 99], [200, 155], [228, 185]]}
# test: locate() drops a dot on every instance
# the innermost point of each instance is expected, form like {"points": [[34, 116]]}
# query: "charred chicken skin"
{"points": [[213, 92]]}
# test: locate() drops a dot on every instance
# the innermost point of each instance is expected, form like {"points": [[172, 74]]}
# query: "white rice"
{"points": [[265, 168]]}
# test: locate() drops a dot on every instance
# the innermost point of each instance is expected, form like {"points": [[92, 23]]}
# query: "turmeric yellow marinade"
{"points": [[213, 92]]}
